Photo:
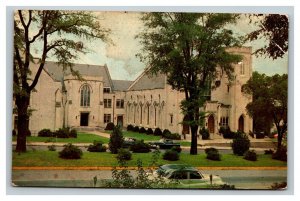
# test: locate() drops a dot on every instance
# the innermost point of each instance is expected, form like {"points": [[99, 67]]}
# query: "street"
{"points": [[242, 179]]}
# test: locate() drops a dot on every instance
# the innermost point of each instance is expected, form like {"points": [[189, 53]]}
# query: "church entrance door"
{"points": [[84, 119], [211, 124], [241, 123], [120, 120]]}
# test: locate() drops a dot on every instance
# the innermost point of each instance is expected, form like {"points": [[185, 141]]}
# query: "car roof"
{"points": [[178, 167]]}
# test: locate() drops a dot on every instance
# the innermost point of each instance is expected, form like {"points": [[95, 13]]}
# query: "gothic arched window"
{"points": [[85, 93]]}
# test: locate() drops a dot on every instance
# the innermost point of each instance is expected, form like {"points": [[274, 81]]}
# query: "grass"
{"points": [[89, 138], [81, 138], [50, 158], [145, 137], [140, 136]]}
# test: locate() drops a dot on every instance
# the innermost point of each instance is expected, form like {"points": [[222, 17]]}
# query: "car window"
{"points": [[195, 175], [178, 175]]}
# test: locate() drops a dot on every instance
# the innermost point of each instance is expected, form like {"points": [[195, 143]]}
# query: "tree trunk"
{"points": [[22, 103], [194, 150], [279, 139]]}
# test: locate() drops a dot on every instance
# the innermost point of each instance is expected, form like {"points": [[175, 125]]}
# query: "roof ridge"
{"points": [[137, 79], [109, 78]]}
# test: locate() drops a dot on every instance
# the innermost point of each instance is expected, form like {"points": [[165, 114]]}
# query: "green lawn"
{"points": [[140, 136], [145, 137], [81, 138], [89, 138], [49, 158]]}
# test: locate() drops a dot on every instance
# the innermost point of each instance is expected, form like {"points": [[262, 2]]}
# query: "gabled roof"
{"points": [[121, 85], [145, 81], [56, 71]]}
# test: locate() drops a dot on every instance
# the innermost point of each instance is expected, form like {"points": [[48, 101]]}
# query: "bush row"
{"points": [[97, 146], [157, 132], [60, 133]]}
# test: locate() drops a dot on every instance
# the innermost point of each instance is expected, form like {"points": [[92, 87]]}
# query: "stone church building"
{"points": [[62, 100]]}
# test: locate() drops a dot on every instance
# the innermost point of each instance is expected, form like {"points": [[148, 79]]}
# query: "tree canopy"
{"points": [[56, 34], [190, 48], [273, 28], [270, 96]]}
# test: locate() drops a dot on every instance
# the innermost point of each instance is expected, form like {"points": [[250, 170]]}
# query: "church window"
{"points": [[171, 118], [120, 103], [141, 119], [207, 90], [242, 68], [107, 103], [154, 116], [134, 114], [224, 121], [107, 118], [85, 96], [148, 114], [106, 90]]}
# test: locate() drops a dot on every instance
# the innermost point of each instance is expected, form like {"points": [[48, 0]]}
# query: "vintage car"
{"points": [[164, 144], [128, 142], [185, 176]]}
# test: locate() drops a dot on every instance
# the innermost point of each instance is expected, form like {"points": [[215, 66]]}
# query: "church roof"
{"points": [[145, 81], [121, 85], [56, 72]]}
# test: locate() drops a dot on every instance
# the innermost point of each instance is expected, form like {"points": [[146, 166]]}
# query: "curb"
{"points": [[135, 168]]}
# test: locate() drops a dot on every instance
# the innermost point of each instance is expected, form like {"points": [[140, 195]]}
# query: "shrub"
{"points": [[149, 131], [130, 127], [280, 154], [142, 130], [123, 154], [70, 152], [205, 133], [73, 133], [250, 155], [166, 133], [14, 132], [97, 147], [62, 133], [116, 140], [171, 155], [28, 133], [52, 148], [227, 133], [157, 132], [177, 149], [213, 154], [172, 136], [136, 129], [109, 126], [45, 133], [269, 151], [140, 147], [210, 149], [260, 135], [240, 144]]}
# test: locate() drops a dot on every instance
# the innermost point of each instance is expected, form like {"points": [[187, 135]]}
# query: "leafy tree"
{"points": [[116, 140], [57, 34], [190, 48], [274, 29], [269, 100]]}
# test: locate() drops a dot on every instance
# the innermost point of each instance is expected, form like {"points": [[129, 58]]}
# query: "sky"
{"points": [[120, 57]]}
